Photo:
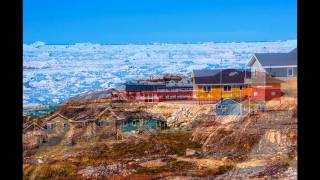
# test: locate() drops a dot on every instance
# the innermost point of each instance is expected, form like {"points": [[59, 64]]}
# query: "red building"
{"points": [[265, 88], [137, 92], [270, 71]]}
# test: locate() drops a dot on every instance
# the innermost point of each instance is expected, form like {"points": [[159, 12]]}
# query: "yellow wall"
{"points": [[216, 91]]}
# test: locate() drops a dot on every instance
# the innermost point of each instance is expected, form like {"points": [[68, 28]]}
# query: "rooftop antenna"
{"points": [[270, 70]]}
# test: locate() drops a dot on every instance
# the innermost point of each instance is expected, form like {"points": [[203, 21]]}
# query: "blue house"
{"points": [[228, 107]]}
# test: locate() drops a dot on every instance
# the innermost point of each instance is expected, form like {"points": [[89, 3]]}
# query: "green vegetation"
{"points": [[163, 107], [49, 171], [65, 161]]}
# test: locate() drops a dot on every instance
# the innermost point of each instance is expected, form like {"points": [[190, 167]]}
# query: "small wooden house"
{"points": [[57, 121], [107, 118], [36, 129], [228, 107], [33, 136], [56, 126], [136, 124]]}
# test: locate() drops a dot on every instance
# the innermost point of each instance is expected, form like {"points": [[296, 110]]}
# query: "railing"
{"points": [[152, 96]]}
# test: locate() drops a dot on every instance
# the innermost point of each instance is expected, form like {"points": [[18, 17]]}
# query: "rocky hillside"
{"points": [[196, 144], [266, 141]]}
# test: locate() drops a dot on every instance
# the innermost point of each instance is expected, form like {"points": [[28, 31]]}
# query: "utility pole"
{"points": [[220, 79], [248, 88], [240, 90]]}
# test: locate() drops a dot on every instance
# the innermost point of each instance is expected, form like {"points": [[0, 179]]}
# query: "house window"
{"points": [[222, 108], [254, 73], [226, 88], [255, 93], [290, 71], [207, 88]]}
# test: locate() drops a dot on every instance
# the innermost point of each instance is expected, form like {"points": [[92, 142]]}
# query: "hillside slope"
{"points": [[196, 144]]}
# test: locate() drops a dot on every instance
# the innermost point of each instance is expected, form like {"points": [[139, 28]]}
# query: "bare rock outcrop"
{"points": [[93, 95], [189, 116], [266, 133]]}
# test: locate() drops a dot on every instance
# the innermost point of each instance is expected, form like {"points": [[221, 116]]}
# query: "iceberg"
{"points": [[54, 73]]}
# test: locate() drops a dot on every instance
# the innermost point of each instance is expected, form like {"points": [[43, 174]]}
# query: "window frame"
{"points": [[207, 88], [227, 88], [288, 70]]}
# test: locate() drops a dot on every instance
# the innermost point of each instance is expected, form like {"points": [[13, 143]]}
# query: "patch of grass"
{"points": [[83, 154], [177, 142], [179, 166], [49, 171], [91, 161], [127, 149], [161, 144], [152, 171], [162, 107], [174, 167], [53, 150], [27, 170]]}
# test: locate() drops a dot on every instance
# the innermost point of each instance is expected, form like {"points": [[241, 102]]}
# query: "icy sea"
{"points": [[53, 73]]}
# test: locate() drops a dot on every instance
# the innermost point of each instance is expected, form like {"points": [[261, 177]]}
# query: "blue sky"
{"points": [[150, 21]]}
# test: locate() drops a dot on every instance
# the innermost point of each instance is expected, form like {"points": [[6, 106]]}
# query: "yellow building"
{"points": [[214, 85]]}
